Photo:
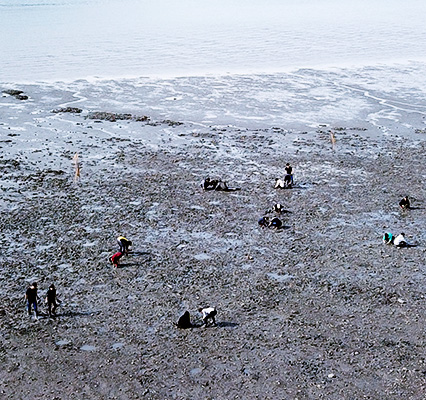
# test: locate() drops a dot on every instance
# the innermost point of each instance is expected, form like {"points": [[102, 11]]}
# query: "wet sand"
{"points": [[319, 310]]}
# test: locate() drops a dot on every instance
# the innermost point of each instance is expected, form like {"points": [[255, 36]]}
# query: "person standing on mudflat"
{"points": [[289, 171], [31, 297], [51, 300]]}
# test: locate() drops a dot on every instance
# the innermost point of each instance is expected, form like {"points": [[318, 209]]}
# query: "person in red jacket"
{"points": [[115, 259]]}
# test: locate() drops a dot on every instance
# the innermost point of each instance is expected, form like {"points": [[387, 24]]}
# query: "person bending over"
{"points": [[388, 238], [115, 259], [184, 321], [278, 208], [275, 223], [405, 203], [400, 240], [209, 184], [263, 222], [124, 244], [209, 315], [279, 184]]}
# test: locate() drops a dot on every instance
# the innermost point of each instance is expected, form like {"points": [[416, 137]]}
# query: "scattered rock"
{"points": [[16, 93], [74, 110]]}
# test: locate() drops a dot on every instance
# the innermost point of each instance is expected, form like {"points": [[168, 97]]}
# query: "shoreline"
{"points": [[320, 68]]}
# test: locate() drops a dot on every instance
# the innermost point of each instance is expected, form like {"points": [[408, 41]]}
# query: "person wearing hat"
{"points": [[31, 297]]}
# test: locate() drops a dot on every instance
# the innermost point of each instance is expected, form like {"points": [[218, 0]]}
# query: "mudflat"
{"points": [[320, 309]]}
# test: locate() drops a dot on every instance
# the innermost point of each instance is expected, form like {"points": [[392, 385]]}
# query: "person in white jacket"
{"points": [[209, 314], [400, 240]]}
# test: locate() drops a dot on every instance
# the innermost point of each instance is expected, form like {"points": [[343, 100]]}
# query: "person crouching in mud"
{"points": [[405, 203], [115, 259], [388, 238], [283, 184], [275, 223], [279, 184], [184, 321], [209, 184], [400, 240], [263, 222], [217, 184]]}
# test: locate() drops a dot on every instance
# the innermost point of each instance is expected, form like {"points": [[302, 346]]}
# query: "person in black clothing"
{"points": [[263, 222], [209, 184], [288, 181], [275, 223], [31, 297], [289, 171], [184, 321], [217, 184], [279, 208], [51, 300], [405, 203]]}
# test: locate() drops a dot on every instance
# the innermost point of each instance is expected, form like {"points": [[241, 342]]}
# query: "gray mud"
{"points": [[320, 310]]}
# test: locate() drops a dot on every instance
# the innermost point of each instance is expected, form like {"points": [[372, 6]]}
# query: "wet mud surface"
{"points": [[318, 310]]}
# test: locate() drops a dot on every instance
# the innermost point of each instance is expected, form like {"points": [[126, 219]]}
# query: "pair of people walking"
{"points": [[31, 296]]}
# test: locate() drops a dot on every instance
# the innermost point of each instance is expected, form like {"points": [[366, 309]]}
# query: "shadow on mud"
{"points": [[222, 324], [146, 256], [225, 324], [76, 314], [127, 265]]}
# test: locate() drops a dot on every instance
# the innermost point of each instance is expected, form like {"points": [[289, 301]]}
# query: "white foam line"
{"points": [[383, 101], [80, 99], [367, 94]]}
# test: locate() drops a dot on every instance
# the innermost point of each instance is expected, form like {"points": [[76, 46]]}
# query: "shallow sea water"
{"points": [[66, 40]]}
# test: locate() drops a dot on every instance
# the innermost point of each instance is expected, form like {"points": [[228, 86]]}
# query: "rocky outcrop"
{"points": [[74, 110], [18, 94]]}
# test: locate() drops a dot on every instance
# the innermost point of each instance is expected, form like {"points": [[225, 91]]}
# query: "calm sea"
{"points": [[72, 39]]}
